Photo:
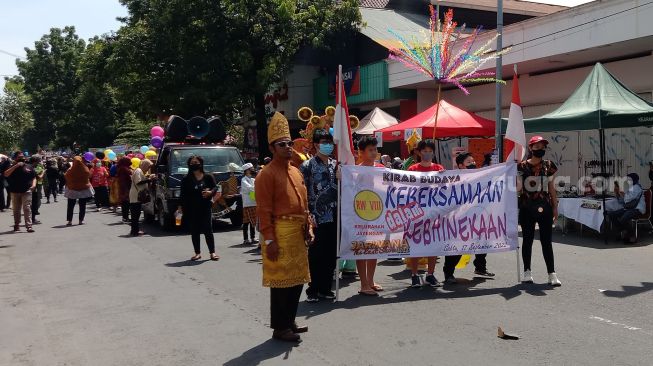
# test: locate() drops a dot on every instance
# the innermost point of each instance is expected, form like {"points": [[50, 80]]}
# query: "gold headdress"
{"points": [[278, 128]]}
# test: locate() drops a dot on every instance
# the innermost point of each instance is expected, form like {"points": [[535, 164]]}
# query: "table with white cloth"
{"points": [[586, 211]]}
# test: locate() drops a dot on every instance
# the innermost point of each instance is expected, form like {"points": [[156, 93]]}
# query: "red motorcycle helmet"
{"points": [[536, 139]]}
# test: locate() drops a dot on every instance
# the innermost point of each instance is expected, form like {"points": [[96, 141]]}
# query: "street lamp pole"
{"points": [[499, 76]]}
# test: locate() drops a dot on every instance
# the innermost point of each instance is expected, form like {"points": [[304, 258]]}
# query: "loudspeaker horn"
{"points": [[177, 129], [217, 131], [198, 127]]}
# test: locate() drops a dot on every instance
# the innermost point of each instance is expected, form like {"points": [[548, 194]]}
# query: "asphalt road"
{"points": [[89, 295]]}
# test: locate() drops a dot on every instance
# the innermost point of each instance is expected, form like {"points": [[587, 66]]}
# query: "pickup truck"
{"points": [[171, 167]]}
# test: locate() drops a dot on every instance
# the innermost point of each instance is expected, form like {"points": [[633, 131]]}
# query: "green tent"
{"points": [[600, 102]]}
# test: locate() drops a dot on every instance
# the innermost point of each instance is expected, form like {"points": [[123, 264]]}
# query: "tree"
{"points": [[271, 32], [133, 131], [15, 116], [51, 82]]}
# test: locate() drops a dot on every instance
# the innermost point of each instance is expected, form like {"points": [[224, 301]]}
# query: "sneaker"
{"points": [[329, 295], [527, 277], [253, 241], [553, 280], [416, 281], [312, 298], [484, 273], [245, 242], [432, 281], [451, 280]]}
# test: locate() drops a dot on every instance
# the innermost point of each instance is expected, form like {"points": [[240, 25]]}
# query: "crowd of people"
{"points": [[293, 202]]}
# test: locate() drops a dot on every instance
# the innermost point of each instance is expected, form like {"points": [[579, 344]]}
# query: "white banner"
{"points": [[395, 213]]}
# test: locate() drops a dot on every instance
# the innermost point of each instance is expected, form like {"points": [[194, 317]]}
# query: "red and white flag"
{"points": [[515, 131], [341, 126]]}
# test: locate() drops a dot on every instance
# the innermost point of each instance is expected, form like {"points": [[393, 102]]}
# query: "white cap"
{"points": [[247, 166]]}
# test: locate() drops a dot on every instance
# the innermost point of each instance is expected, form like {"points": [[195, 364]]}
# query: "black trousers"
{"points": [[101, 197], [71, 209], [62, 183], [36, 201], [202, 224], [322, 259], [545, 222], [135, 211], [283, 306], [51, 189], [252, 232], [450, 262], [124, 209], [3, 200]]}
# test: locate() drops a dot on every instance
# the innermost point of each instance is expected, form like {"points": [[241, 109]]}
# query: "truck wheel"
{"points": [[236, 218]]}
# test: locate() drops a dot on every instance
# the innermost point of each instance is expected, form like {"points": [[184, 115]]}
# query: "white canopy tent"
{"points": [[375, 120]]}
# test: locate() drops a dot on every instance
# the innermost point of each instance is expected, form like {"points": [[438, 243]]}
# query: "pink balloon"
{"points": [[140, 156], [157, 131], [130, 155]]}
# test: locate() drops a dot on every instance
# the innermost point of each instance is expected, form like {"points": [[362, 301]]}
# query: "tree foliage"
{"points": [[50, 75], [133, 131], [15, 115]]}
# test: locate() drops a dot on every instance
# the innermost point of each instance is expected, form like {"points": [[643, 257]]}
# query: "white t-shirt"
{"points": [[246, 187]]}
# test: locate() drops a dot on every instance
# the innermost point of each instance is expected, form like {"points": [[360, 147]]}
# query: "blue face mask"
{"points": [[326, 149]]}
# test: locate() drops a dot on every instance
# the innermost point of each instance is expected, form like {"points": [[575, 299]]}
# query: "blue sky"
{"points": [[24, 21]]}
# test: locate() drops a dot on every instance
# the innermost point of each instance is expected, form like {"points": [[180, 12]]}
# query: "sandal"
{"points": [[215, 257], [29, 229], [70, 223], [196, 257], [377, 288], [370, 293]]}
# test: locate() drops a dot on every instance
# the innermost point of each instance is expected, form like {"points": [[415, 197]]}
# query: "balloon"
{"points": [[152, 148], [331, 131], [89, 156], [135, 163], [107, 151], [144, 149], [157, 131], [140, 156], [100, 155], [150, 154], [157, 141], [112, 156]]}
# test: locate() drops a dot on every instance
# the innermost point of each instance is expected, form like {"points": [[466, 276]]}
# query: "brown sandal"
{"points": [[196, 257], [215, 257], [377, 288]]}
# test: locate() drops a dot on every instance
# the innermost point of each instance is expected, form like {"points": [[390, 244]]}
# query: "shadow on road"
{"points": [[422, 294], [629, 290], [264, 351], [6, 246], [186, 263]]}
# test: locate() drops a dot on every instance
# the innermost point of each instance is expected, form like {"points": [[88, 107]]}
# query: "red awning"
{"points": [[452, 122]]}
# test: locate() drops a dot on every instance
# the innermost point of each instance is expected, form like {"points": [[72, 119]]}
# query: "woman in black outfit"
{"points": [[538, 204], [197, 192]]}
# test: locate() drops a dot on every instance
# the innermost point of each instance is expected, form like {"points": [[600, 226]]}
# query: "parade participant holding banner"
{"points": [[465, 161], [320, 180], [282, 208], [367, 267], [538, 204], [426, 149]]}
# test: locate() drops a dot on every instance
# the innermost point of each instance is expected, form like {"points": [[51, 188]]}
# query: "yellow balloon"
{"points": [[464, 260], [107, 152], [135, 163], [150, 154]]}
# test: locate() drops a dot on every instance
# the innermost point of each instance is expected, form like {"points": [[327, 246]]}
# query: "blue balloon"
{"points": [[331, 130]]}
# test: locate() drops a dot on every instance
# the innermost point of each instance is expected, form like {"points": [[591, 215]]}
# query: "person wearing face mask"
{"points": [[426, 149], [100, 183], [320, 179], [198, 190], [538, 204], [22, 182], [465, 161]]}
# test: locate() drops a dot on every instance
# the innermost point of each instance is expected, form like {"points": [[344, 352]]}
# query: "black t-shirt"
{"points": [[52, 173], [191, 194], [20, 181]]}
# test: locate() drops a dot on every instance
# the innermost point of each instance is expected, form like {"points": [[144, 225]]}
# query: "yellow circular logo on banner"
{"points": [[368, 205]]}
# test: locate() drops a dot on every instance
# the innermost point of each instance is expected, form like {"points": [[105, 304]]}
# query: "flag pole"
{"points": [[339, 91], [437, 110], [514, 151]]}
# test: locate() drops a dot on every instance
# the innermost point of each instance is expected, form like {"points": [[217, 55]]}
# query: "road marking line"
{"points": [[608, 321]]}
